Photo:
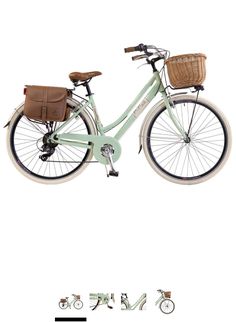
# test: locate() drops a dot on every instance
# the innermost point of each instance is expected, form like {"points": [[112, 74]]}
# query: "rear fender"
{"points": [[16, 110]]}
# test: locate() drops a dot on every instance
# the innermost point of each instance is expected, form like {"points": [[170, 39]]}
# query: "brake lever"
{"points": [[137, 57]]}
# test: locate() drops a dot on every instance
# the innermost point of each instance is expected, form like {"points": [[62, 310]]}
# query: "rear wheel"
{"points": [[63, 305], [187, 161], [42, 161]]}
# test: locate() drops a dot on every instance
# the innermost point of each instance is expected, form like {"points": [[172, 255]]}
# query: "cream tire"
{"points": [[27, 174], [146, 127]]}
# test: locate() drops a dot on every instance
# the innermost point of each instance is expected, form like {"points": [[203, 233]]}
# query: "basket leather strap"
{"points": [[44, 105]]}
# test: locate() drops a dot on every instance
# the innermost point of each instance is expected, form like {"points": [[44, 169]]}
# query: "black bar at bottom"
{"points": [[70, 319]]}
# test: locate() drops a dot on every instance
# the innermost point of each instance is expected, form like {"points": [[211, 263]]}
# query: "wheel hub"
{"points": [[187, 139]]}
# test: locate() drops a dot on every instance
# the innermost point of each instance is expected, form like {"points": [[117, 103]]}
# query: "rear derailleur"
{"points": [[47, 147]]}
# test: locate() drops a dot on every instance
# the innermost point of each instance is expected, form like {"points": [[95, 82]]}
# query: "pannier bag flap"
{"points": [[46, 103], [63, 300]]}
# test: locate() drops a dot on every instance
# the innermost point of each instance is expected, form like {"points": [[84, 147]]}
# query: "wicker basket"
{"points": [[186, 70], [167, 294]]}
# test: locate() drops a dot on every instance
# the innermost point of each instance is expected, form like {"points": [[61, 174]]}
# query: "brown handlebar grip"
{"points": [[130, 49], [139, 57]]}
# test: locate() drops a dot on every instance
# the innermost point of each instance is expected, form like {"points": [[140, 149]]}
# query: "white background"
{"points": [[137, 232]]}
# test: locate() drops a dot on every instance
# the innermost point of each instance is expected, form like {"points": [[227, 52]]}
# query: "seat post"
{"points": [[89, 93]]}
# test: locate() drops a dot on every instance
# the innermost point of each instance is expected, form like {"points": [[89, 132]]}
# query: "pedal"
{"points": [[109, 306], [107, 152], [113, 173]]}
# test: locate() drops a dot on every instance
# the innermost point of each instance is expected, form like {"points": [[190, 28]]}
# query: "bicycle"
{"points": [[125, 304], [97, 299], [76, 302], [185, 138], [166, 305]]}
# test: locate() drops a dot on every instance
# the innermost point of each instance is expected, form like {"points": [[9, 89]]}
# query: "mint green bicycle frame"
{"points": [[147, 94], [137, 303], [160, 298], [102, 298]]}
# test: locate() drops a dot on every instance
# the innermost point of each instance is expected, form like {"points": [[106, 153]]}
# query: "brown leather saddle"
{"points": [[77, 76]]}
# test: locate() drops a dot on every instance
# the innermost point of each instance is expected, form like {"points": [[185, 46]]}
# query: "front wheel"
{"points": [[167, 306], [187, 161], [78, 304]]}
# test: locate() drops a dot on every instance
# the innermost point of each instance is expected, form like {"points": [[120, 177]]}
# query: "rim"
{"points": [[187, 160], [167, 306], [63, 305], [78, 304], [27, 140]]}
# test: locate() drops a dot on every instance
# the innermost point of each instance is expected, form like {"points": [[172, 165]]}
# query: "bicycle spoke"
{"points": [[196, 157], [29, 145], [201, 130], [169, 146], [169, 126], [208, 146], [32, 125], [205, 158], [25, 147], [66, 147], [165, 129], [176, 158], [25, 135]]}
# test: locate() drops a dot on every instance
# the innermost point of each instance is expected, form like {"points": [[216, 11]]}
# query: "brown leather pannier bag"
{"points": [[63, 300], [44, 103]]}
